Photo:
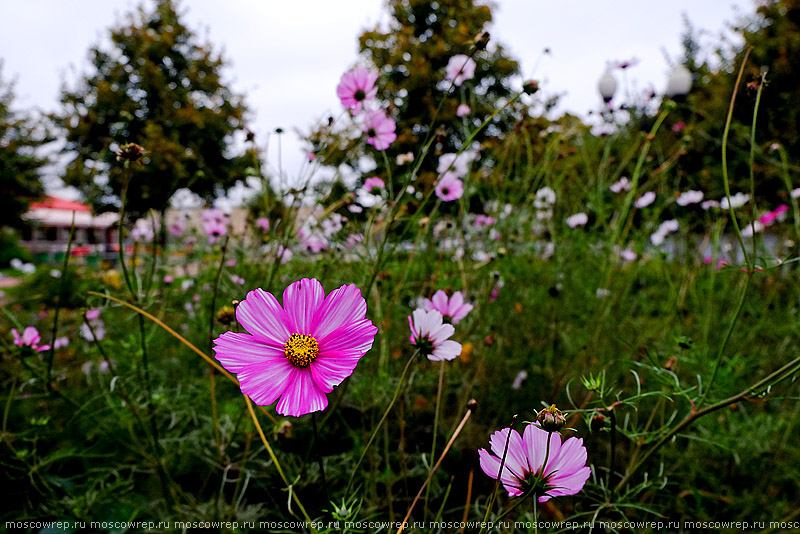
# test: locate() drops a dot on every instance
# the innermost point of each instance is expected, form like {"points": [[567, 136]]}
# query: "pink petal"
{"points": [[302, 395], [17, 339], [440, 302], [443, 332], [341, 307], [449, 350], [516, 460], [331, 369], [264, 382], [357, 336], [261, 315], [569, 485], [237, 350], [536, 444], [301, 300], [30, 336], [570, 458]]}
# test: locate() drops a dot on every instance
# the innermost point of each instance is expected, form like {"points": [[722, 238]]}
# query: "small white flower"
{"points": [[579, 219], [737, 201], [623, 184], [645, 200], [545, 198], [689, 197]]}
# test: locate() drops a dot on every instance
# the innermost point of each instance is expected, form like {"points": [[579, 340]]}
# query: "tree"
{"points": [[410, 56], [20, 137], [162, 89]]}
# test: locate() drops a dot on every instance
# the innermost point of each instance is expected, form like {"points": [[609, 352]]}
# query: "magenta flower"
{"points": [[449, 188], [374, 185], [379, 129], [215, 229], [263, 223], [459, 69], [299, 351], [462, 110], [431, 336], [356, 88], [453, 309], [30, 338], [565, 473]]}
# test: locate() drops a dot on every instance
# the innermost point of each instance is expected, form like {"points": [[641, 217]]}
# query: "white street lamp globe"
{"points": [[679, 82], [607, 86]]}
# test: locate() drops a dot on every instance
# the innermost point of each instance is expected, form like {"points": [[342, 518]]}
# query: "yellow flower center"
{"points": [[301, 350]]}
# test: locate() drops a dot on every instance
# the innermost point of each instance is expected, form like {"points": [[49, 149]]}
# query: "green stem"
{"points": [[435, 427], [385, 415], [725, 181], [59, 303]]}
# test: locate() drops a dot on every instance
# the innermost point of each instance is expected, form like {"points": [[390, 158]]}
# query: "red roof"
{"points": [[55, 203]]}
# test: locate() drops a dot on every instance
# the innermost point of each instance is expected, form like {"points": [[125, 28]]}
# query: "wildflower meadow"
{"points": [[463, 313]]}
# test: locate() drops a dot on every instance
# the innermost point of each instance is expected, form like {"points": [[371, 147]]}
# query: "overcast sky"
{"points": [[287, 56]]}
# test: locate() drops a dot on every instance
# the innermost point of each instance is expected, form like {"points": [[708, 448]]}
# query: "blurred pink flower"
{"points": [[263, 223], [770, 217], [484, 220], [93, 314], [299, 351], [459, 69], [678, 126], [356, 88], [379, 129], [449, 188], [168, 279], [431, 336], [178, 227], [61, 342], [462, 110], [215, 229], [453, 309], [374, 185], [30, 338], [566, 471]]}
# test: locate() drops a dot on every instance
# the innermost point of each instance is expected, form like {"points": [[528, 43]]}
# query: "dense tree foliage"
{"points": [[157, 86], [410, 55], [19, 161]]}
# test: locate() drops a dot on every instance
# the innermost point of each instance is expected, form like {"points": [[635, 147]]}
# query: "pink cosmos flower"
{"points": [[356, 88], [236, 279], [93, 314], [215, 229], [61, 342], [379, 129], [484, 220], [29, 338], [459, 69], [168, 279], [449, 188], [177, 228], [431, 336], [462, 110], [299, 351], [566, 471], [142, 231], [770, 217], [263, 223], [213, 215], [374, 185], [453, 309]]}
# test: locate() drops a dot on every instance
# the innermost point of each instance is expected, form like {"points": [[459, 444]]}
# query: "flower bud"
{"points": [[481, 40], [226, 315], [551, 419], [129, 152], [530, 87], [598, 422]]}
